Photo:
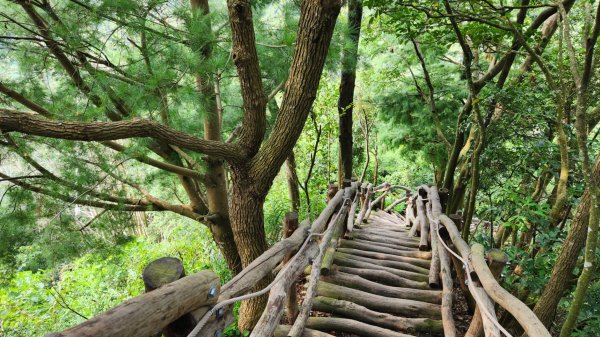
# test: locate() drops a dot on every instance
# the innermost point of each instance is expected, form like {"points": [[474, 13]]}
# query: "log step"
{"points": [[387, 263], [350, 326], [365, 315], [355, 244], [349, 261], [377, 286], [359, 283], [387, 257], [397, 306]]}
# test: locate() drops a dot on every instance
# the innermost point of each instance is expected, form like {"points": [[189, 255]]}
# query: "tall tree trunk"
{"points": [[215, 183], [590, 261], [347, 82], [292, 181]]}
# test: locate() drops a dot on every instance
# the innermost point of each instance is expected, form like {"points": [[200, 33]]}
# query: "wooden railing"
{"points": [[480, 276], [208, 307]]}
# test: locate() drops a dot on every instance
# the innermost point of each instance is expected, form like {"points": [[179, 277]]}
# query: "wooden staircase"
{"points": [[377, 287]]}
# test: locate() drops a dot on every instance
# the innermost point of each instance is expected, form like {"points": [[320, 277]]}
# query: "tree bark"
{"points": [[292, 181], [348, 78]]}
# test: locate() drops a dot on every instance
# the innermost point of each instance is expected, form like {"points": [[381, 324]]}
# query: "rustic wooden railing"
{"points": [[197, 305]]}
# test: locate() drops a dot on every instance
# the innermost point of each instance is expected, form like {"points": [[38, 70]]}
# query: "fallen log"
{"points": [[383, 276], [390, 257], [354, 244], [385, 263], [359, 283], [350, 326], [350, 262], [358, 312], [402, 307]]}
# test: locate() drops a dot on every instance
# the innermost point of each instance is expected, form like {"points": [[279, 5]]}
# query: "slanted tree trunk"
{"points": [[348, 78]]}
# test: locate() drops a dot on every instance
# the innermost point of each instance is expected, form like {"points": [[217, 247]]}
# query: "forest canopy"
{"points": [[133, 130]]}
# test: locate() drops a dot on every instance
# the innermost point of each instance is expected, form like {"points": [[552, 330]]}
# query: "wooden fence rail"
{"points": [[337, 254]]}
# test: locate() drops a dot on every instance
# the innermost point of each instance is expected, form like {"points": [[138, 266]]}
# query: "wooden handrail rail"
{"points": [[149, 313], [521, 312]]}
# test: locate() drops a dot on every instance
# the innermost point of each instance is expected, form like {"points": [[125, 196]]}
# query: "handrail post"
{"points": [[290, 224]]}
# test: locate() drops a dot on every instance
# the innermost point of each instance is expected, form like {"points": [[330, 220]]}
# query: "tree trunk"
{"points": [[247, 220], [348, 78], [292, 181], [215, 183]]}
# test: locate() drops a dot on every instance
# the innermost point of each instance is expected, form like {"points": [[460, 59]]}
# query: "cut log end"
{"points": [[162, 271]]}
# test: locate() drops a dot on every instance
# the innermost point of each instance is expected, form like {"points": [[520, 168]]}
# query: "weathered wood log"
{"points": [[375, 202], [447, 291], [424, 223], [290, 224], [337, 224], [282, 331], [386, 245], [383, 239], [164, 271], [402, 307], [331, 248], [381, 256], [359, 283], [481, 323], [360, 313], [411, 215], [381, 226], [387, 263], [433, 217], [367, 202], [274, 310], [149, 313], [352, 214], [350, 326], [388, 216], [526, 318], [247, 278], [395, 203], [355, 244], [384, 277], [496, 260], [434, 212], [349, 261]]}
